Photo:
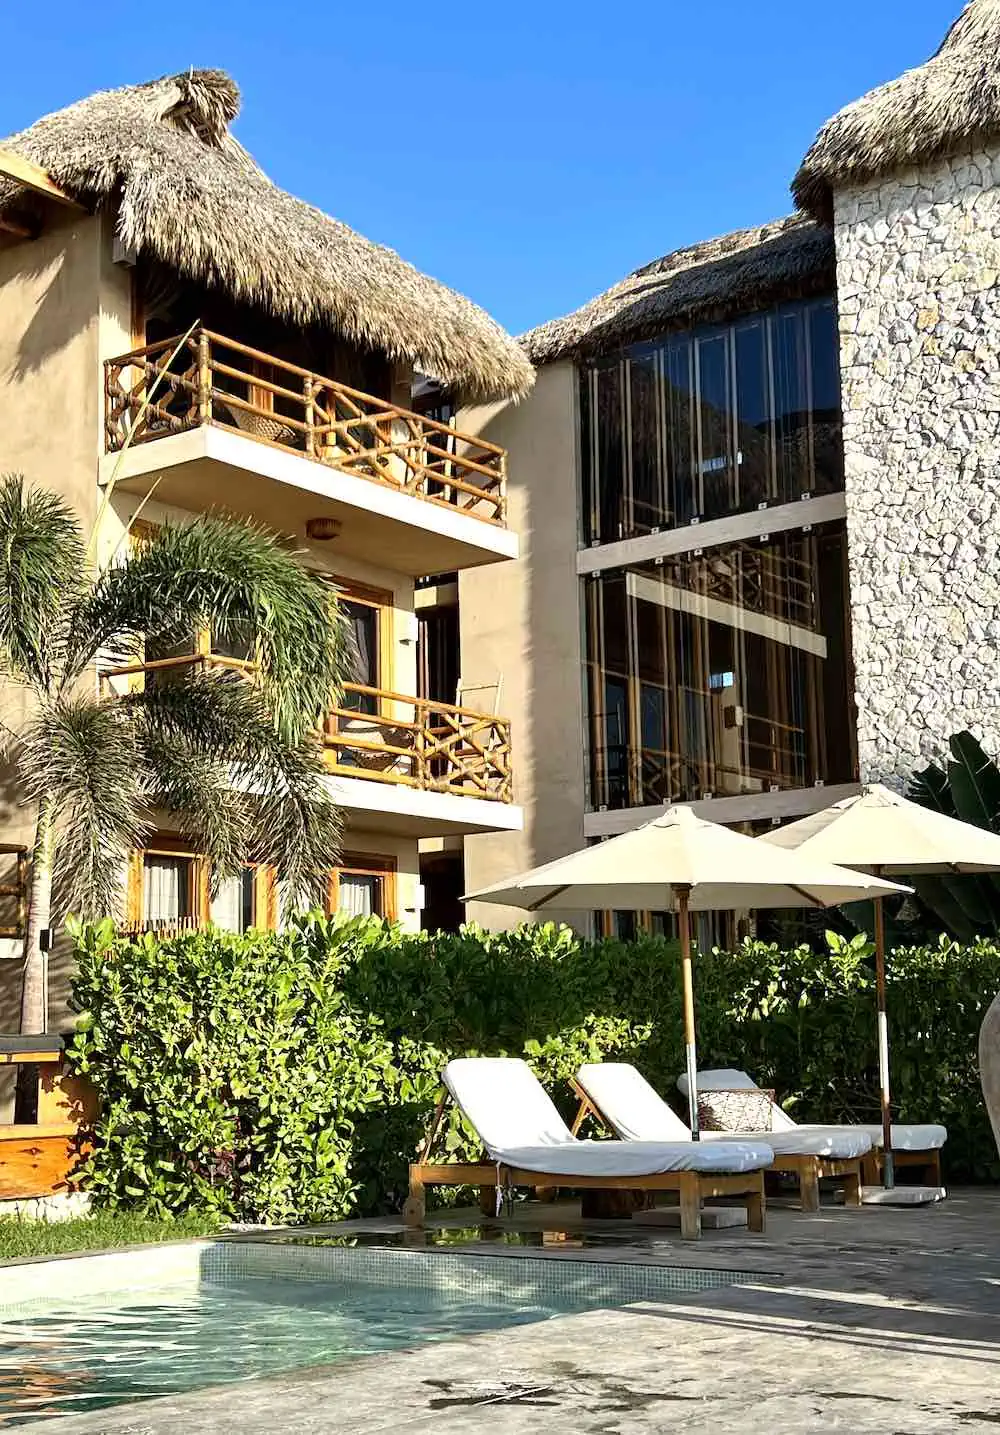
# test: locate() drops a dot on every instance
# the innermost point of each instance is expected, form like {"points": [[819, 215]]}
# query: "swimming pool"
{"points": [[135, 1325]]}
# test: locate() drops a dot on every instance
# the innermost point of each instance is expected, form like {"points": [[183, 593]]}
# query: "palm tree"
{"points": [[238, 763]]}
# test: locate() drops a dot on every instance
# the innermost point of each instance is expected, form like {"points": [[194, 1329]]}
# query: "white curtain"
{"points": [[227, 905], [232, 908], [165, 888], [357, 895]]}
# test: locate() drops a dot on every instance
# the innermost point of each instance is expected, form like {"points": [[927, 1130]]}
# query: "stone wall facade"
{"points": [[918, 267]]}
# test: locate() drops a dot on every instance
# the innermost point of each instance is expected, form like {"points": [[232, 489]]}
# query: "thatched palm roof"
{"points": [[188, 195], [944, 106], [740, 271]]}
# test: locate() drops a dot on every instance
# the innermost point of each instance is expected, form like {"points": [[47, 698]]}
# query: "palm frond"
{"points": [[82, 754], [196, 788], [235, 578], [42, 572], [294, 824]]}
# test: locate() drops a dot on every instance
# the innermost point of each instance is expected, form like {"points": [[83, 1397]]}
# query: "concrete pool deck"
{"points": [[864, 1320]]}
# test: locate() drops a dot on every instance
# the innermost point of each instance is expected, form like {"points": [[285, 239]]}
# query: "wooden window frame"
{"points": [[17, 889], [384, 602], [166, 844], [366, 864]]}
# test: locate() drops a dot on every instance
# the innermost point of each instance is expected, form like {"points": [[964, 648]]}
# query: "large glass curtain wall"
{"points": [[720, 674], [714, 421]]}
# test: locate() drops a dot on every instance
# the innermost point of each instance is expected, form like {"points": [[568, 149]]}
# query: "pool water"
{"points": [[164, 1342], [131, 1326]]}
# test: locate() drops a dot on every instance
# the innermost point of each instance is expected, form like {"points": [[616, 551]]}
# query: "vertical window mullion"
{"points": [[735, 487], [633, 736], [628, 519], [806, 339], [699, 454], [662, 464]]}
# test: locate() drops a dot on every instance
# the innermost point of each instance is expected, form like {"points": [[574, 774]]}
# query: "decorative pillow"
{"points": [[736, 1111]]}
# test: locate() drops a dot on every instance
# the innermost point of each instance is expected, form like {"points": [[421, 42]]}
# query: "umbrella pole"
{"points": [[690, 1050], [888, 1165]]}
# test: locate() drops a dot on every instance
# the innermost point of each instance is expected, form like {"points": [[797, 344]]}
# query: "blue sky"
{"points": [[529, 154]]}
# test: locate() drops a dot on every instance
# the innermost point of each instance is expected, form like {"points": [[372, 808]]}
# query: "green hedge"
{"points": [[290, 1077]]}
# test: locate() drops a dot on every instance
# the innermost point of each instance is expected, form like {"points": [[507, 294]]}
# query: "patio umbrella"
{"points": [[681, 863], [880, 832]]}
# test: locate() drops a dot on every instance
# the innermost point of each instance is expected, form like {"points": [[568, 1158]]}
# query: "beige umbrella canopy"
{"points": [[681, 863], [880, 832]]}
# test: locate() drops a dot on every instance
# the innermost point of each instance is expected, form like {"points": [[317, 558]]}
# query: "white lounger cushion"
{"points": [[910, 1138], [520, 1127], [904, 1137], [839, 1143], [637, 1112]]}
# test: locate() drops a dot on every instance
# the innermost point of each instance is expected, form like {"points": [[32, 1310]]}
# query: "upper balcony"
{"points": [[397, 763], [215, 423]]}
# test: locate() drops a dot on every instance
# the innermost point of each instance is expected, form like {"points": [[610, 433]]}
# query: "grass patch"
{"points": [[104, 1230]]}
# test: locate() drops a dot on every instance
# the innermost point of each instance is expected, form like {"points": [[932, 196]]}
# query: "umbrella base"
{"points": [[902, 1195]]}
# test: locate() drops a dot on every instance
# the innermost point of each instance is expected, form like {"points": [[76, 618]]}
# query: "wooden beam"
{"points": [[33, 177]]}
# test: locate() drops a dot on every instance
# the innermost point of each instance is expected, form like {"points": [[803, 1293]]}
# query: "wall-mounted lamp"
{"points": [[323, 530]]}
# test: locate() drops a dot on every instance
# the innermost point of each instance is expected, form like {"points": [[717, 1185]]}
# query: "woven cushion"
{"points": [[260, 427], [740, 1110]]}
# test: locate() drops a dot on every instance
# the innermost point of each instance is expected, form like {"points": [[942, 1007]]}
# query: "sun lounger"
{"points": [[912, 1145], [527, 1143], [623, 1100]]}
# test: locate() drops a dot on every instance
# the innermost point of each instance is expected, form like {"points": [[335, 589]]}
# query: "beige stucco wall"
{"points": [[53, 321], [521, 624]]}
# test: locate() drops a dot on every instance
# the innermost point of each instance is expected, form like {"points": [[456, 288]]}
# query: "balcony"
{"points": [[201, 414], [423, 768], [397, 763]]}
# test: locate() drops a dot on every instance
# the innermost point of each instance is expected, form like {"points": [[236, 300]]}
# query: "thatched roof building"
{"points": [[188, 195], [947, 105], [746, 270]]}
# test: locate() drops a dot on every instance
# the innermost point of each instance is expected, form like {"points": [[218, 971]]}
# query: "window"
{"points": [[234, 906], [368, 612], [712, 421], [13, 889], [168, 889], [709, 929], [721, 674], [364, 886]]}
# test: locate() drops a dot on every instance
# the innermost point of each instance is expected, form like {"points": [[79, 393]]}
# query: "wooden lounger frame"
{"points": [[929, 1160], [692, 1187], [807, 1170]]}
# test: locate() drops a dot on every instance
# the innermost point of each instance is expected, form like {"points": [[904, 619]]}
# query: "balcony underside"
{"points": [[213, 468], [410, 812]]}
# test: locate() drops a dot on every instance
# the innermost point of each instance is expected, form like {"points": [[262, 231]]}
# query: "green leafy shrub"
{"points": [[290, 1076], [231, 1070]]}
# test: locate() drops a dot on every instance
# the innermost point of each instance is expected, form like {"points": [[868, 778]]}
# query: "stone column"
{"points": [[918, 266]]}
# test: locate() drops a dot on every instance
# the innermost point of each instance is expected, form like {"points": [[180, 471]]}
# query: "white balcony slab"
{"points": [[755, 526], [214, 468], [411, 812]]}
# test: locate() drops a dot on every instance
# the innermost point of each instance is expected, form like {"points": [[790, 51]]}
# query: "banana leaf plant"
{"points": [[966, 786]]}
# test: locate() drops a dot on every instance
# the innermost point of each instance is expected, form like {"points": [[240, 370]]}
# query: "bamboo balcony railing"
{"points": [[382, 736], [214, 380], [415, 742]]}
